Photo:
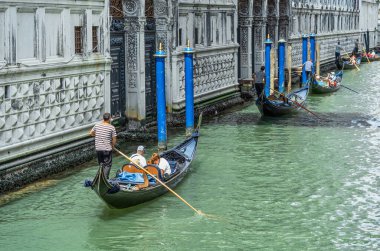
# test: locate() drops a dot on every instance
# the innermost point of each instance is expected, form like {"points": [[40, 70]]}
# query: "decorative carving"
{"points": [[161, 8], [211, 72], [130, 6], [117, 25], [244, 39], [243, 7], [42, 108], [257, 7]]}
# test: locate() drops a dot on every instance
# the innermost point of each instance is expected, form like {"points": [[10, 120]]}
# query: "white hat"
{"points": [[140, 148]]}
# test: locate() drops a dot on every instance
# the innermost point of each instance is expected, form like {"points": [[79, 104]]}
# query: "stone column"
{"points": [[164, 30], [259, 37], [245, 30], [10, 47], [135, 62], [41, 34]]}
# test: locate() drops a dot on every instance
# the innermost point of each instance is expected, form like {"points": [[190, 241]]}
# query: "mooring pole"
{"points": [[281, 65], [318, 60], [268, 47], [289, 65], [304, 58], [189, 89], [161, 101], [312, 51]]}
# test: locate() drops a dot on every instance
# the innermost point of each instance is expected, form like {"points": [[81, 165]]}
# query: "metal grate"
{"points": [[95, 39], [78, 40]]}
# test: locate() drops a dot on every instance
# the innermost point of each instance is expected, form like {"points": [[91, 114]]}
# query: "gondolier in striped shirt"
{"points": [[105, 140]]}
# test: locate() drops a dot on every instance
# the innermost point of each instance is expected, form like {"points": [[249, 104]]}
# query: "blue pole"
{"points": [[161, 101], [304, 58], [189, 90], [268, 47], [281, 65], [312, 50]]}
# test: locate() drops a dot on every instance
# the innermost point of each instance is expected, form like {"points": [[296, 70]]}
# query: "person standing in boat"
{"points": [[259, 78], [138, 157], [355, 51], [105, 140], [308, 67], [338, 48]]}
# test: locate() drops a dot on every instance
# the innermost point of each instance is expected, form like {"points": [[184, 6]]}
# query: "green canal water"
{"points": [[295, 183]]}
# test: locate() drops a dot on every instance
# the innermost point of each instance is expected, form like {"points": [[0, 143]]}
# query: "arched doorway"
{"points": [[117, 46], [150, 72]]}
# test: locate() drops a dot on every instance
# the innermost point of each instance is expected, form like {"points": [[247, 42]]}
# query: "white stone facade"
{"points": [[52, 90], [210, 27]]}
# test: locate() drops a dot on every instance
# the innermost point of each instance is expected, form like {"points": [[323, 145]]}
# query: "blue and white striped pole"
{"points": [[281, 65], [161, 101], [189, 89], [312, 51], [268, 47], [304, 58]]}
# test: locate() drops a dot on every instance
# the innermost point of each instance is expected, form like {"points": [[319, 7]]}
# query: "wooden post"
{"points": [[289, 65], [272, 63], [318, 60]]}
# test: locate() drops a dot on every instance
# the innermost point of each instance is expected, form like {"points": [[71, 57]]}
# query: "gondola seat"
{"points": [[131, 168], [156, 172]]}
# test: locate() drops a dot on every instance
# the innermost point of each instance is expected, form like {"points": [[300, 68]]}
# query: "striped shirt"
{"points": [[104, 133]]}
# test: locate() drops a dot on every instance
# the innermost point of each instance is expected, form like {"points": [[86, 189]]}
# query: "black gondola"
{"points": [[282, 106], [120, 194], [321, 86]]}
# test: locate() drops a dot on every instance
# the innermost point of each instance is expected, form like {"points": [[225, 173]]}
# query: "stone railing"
{"points": [[215, 72], [328, 43], [36, 112]]}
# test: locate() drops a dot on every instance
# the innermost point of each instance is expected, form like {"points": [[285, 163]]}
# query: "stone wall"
{"points": [[54, 73]]}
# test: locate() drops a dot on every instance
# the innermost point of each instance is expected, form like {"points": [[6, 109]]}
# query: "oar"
{"points": [[352, 61], [159, 181], [349, 88], [366, 56], [300, 105]]}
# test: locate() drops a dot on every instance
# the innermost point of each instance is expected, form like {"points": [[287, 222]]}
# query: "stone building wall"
{"points": [[330, 20], [211, 30], [54, 73]]}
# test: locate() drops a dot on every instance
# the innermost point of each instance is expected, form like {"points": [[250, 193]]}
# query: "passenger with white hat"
{"points": [[138, 157]]}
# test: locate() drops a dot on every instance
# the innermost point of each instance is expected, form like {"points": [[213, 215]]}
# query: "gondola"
{"points": [[121, 194], [373, 58], [282, 106], [347, 64], [320, 86]]}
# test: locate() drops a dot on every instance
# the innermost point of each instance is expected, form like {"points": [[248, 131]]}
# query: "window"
{"points": [[78, 40], [180, 37], [95, 39], [7, 92], [196, 39]]}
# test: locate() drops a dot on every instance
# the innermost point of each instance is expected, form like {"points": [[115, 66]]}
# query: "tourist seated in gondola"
{"points": [[138, 157], [162, 163]]}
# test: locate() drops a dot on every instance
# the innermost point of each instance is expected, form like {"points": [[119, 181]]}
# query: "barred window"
{"points": [[95, 39], [78, 40]]}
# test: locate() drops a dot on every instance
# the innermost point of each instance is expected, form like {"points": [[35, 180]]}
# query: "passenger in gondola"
{"points": [[138, 157], [355, 51], [162, 163]]}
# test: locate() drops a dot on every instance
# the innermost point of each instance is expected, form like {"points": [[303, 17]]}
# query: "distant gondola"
{"points": [[373, 58], [120, 194], [282, 106], [320, 86], [347, 63]]}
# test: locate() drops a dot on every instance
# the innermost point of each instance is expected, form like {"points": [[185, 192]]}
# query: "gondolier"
{"points": [[259, 77], [105, 140]]}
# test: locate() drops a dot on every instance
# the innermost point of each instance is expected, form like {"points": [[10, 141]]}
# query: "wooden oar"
{"points": [[366, 56], [349, 88], [300, 105], [159, 181], [351, 60]]}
